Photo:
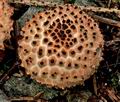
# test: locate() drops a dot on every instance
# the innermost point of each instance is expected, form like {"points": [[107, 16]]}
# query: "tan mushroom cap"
{"points": [[61, 47], [5, 22]]}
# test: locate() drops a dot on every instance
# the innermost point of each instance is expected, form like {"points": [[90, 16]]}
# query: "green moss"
{"points": [[24, 86], [71, 1], [116, 1]]}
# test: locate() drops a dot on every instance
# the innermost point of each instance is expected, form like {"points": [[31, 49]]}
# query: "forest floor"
{"points": [[103, 86]]}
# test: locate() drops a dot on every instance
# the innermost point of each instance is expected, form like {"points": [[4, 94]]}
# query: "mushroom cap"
{"points": [[61, 47], [5, 22]]}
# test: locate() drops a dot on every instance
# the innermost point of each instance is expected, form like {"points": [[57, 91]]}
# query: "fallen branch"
{"points": [[106, 20], [112, 96], [4, 77], [22, 99], [100, 9], [95, 85], [35, 98], [33, 2], [48, 3]]}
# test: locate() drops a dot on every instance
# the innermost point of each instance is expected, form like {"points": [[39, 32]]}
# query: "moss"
{"points": [[24, 86]]}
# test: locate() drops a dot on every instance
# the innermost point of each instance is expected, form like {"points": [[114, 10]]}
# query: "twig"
{"points": [[106, 20], [104, 100], [5, 75], [111, 65], [112, 95], [95, 85], [38, 96], [109, 3], [117, 60], [111, 42], [33, 2], [100, 9], [22, 99], [46, 3]]}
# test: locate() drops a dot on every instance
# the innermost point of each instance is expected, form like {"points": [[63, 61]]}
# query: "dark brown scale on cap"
{"points": [[85, 35], [37, 36], [34, 43], [59, 26], [42, 63], [74, 40], [49, 17], [45, 33], [80, 48], [57, 20], [60, 13], [61, 8], [46, 23], [44, 74], [49, 52], [64, 53], [64, 26], [72, 53], [55, 37], [61, 63], [40, 52], [53, 34], [45, 40], [52, 62], [62, 42], [35, 22], [73, 27], [72, 13], [49, 31], [47, 13], [68, 21], [57, 46], [38, 29], [68, 31], [56, 30], [57, 40], [50, 44], [53, 15], [65, 46]]}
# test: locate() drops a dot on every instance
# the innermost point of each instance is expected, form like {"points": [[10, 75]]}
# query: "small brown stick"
{"points": [[109, 3], [33, 2], [5, 75], [95, 85], [118, 97], [99, 9], [38, 96], [27, 99], [117, 60], [106, 20], [46, 3], [111, 65], [112, 95], [104, 100], [111, 42], [22, 99]]}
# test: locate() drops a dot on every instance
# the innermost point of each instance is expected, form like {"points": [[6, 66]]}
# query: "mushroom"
{"points": [[61, 47], [5, 22]]}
